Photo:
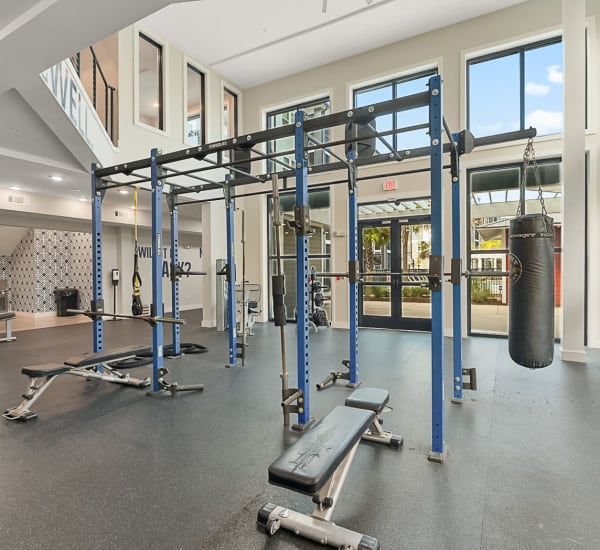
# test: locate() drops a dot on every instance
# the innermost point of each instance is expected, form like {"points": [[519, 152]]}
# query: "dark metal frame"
{"points": [[161, 91], [202, 115], [469, 250], [504, 53]]}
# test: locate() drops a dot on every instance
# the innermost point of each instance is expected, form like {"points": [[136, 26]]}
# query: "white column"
{"points": [[214, 246], [573, 228], [339, 255]]}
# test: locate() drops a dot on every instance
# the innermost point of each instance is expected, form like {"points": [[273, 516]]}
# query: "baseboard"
{"points": [[340, 324], [190, 306], [573, 356]]}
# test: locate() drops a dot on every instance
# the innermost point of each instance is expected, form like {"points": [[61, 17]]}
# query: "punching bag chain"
{"points": [[529, 161]]}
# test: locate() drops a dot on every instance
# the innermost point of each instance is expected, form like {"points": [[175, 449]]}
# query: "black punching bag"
{"points": [[531, 312]]}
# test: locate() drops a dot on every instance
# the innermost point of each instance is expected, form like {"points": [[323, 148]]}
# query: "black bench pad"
{"points": [[309, 463], [49, 369], [7, 316], [90, 359], [372, 399]]}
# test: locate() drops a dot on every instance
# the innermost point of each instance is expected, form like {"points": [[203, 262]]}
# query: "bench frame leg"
{"points": [[8, 330], [35, 388], [318, 526], [377, 434], [108, 374], [309, 527]]}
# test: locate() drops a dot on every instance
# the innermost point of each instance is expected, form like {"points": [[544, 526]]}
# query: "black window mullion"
{"points": [[522, 86]]}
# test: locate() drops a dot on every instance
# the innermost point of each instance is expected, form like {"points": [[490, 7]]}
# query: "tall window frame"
{"points": [[520, 53], [195, 114], [285, 115], [394, 88], [498, 191], [230, 113], [146, 105]]}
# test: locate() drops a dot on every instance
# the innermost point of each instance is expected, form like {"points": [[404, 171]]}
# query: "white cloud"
{"points": [[531, 88], [555, 74], [546, 122], [488, 129]]}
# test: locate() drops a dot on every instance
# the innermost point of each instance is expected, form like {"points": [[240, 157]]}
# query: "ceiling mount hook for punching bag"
{"points": [[137, 308]]}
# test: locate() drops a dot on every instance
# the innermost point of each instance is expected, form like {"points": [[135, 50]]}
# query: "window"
{"points": [[494, 196], [282, 117], [319, 245], [404, 137], [516, 89], [195, 127], [230, 114], [150, 79]]}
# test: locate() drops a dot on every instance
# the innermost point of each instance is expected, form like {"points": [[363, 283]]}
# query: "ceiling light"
{"points": [[15, 188], [56, 178], [123, 191], [75, 190], [82, 200]]}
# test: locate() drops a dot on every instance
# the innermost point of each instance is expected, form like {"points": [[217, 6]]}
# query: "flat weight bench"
{"points": [[374, 399], [7, 318], [317, 465], [92, 366]]}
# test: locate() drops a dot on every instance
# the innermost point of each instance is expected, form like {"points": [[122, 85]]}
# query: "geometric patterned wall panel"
{"points": [[51, 262], [80, 266], [45, 260], [6, 275], [23, 281]]}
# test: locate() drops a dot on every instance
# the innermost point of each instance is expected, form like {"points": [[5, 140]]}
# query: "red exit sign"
{"points": [[389, 185]]}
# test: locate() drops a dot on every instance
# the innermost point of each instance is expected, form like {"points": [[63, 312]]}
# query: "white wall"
{"points": [[446, 49]]}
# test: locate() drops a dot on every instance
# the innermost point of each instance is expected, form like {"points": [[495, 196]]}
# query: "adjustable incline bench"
{"points": [[317, 465], [92, 366], [7, 318]]}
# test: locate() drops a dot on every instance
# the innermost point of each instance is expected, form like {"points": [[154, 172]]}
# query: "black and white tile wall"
{"points": [[23, 282], [80, 266], [6, 275], [46, 260]]}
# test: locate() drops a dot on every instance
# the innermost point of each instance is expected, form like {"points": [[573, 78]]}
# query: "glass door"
{"points": [[394, 261]]}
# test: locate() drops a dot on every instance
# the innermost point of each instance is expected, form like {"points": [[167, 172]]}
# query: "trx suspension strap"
{"points": [[136, 304]]}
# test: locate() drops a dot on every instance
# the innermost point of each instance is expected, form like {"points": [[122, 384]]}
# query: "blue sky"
{"points": [[494, 97], [495, 88]]}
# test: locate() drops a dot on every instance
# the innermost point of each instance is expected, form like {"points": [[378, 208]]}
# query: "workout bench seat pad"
{"points": [[372, 399], [48, 369], [90, 359], [309, 463], [7, 316]]}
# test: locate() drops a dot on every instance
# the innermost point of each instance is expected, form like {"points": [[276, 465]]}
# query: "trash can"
{"points": [[66, 298]]}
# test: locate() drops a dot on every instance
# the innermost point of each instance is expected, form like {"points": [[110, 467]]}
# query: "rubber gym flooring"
{"points": [[106, 467]]}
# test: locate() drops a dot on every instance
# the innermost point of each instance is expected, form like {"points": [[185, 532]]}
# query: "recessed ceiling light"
{"points": [[56, 178], [123, 191], [82, 200], [75, 190], [15, 188]]}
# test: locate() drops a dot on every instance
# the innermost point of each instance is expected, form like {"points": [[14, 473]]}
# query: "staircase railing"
{"points": [[100, 89]]}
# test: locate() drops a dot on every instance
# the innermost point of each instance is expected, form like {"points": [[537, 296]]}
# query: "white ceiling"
{"points": [[249, 42], [254, 42]]}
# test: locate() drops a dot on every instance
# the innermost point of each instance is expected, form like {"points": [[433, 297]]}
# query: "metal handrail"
{"points": [[109, 92]]}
